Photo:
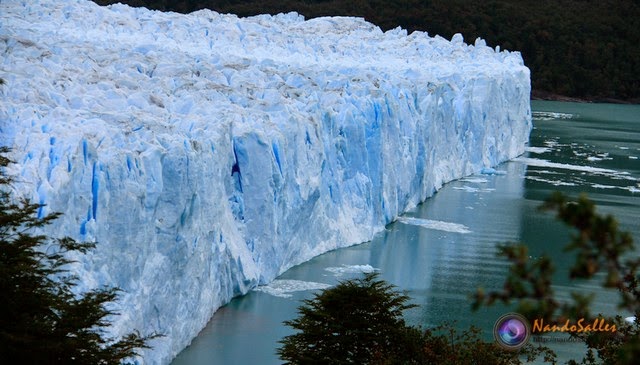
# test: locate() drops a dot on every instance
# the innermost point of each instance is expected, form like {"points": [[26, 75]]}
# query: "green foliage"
{"points": [[600, 248], [447, 346], [357, 322], [360, 321], [580, 48], [42, 321]]}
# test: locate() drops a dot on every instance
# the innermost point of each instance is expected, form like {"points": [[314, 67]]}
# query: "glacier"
{"points": [[207, 153]]}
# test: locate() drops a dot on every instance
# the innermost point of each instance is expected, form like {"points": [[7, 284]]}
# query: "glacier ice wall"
{"points": [[207, 154]]}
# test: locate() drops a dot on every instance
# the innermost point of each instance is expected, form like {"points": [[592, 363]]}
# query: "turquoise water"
{"points": [[444, 249]]}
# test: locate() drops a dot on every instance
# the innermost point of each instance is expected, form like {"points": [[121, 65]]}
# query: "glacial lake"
{"points": [[443, 250]]}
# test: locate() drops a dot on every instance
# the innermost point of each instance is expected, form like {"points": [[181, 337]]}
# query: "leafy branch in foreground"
{"points": [[600, 247], [42, 321]]}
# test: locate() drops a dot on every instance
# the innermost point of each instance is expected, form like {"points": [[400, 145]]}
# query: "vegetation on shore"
{"points": [[359, 321], [576, 49], [43, 320]]}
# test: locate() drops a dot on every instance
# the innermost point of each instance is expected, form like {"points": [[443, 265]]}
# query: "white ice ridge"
{"points": [[206, 154], [537, 149]]}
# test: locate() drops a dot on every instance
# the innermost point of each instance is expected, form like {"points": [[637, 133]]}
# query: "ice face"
{"points": [[206, 154]]}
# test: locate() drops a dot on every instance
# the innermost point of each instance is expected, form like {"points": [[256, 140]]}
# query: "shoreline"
{"points": [[549, 96]]}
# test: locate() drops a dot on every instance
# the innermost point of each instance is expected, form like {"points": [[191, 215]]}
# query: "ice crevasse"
{"points": [[207, 153]]}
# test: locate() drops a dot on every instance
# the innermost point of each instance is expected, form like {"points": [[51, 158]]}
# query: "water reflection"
{"points": [[460, 263]]}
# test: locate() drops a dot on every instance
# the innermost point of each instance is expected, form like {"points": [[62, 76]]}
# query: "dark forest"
{"points": [[583, 49]]}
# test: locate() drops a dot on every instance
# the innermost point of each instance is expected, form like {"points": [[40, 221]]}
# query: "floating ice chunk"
{"points": [[633, 157], [633, 189], [436, 225], [588, 169], [492, 171], [466, 188], [474, 180], [597, 157], [540, 115], [551, 143], [552, 182], [470, 189], [284, 288], [546, 172], [351, 269], [600, 186], [537, 149]]}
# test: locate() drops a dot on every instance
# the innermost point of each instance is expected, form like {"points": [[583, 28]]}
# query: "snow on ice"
{"points": [[206, 154]]}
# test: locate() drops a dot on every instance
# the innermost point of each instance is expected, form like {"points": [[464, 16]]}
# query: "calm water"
{"points": [[442, 251]]}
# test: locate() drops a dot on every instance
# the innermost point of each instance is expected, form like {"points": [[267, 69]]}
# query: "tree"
{"points": [[358, 321], [445, 345], [42, 321]]}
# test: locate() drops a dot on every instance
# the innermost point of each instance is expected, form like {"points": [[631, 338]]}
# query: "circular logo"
{"points": [[511, 331]]}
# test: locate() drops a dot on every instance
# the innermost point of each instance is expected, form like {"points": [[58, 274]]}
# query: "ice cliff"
{"points": [[206, 154]]}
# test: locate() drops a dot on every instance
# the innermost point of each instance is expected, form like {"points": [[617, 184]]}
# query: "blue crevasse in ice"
{"points": [[207, 154]]}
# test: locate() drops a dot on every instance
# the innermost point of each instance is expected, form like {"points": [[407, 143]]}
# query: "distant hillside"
{"points": [[586, 49]]}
